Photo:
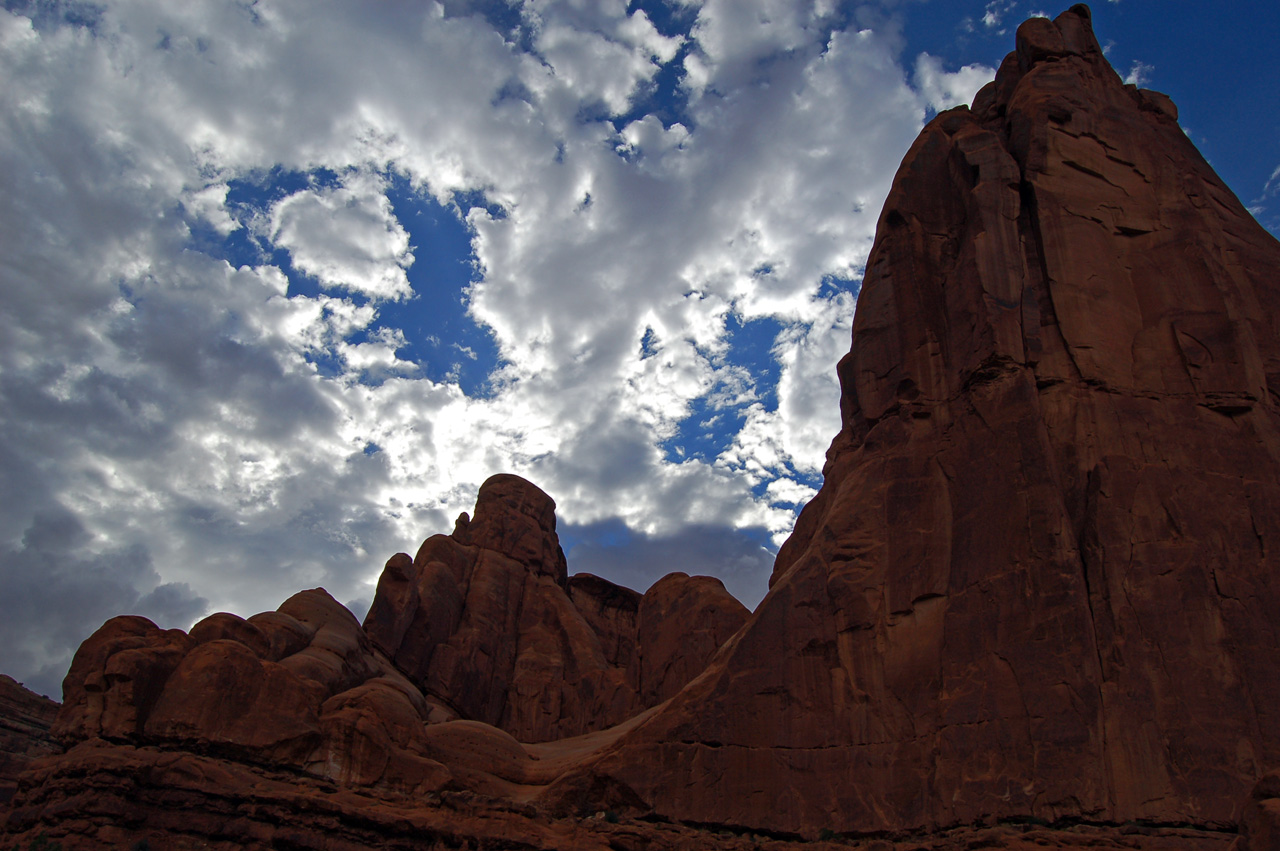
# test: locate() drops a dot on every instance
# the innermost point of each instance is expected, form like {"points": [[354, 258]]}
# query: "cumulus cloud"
{"points": [[945, 89], [346, 236], [213, 392], [1139, 73], [790, 440], [600, 55]]}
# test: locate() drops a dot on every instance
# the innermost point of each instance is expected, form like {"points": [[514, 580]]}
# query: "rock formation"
{"points": [[487, 621], [1260, 821], [25, 719], [300, 687], [479, 644], [1034, 604], [1040, 578]]}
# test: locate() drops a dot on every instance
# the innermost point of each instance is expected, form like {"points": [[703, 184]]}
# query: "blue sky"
{"points": [[284, 282]]}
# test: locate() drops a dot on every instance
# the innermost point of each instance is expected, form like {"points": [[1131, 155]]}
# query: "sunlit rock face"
{"points": [[1041, 576]]}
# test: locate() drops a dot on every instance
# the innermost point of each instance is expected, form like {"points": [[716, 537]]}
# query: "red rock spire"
{"points": [[1040, 579]]}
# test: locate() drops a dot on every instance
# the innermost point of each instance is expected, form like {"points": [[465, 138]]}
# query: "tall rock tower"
{"points": [[1042, 578]]}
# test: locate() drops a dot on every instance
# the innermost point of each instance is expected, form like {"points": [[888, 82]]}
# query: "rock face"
{"points": [[1040, 579], [300, 687], [1260, 821], [487, 622], [25, 719], [121, 796]]}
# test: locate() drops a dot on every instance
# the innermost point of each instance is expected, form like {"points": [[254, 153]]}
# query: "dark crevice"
{"points": [[1038, 279]]}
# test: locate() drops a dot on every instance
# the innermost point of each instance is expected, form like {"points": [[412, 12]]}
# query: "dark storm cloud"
{"points": [[60, 584]]}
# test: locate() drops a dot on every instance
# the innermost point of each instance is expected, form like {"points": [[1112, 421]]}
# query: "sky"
{"points": [[283, 282]]}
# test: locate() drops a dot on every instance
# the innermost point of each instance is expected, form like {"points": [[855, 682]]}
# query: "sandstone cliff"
{"points": [[1040, 578], [25, 719]]}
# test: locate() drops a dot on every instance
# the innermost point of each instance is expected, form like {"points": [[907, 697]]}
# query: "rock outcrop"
{"points": [[1040, 580], [104, 795], [1260, 821], [487, 622], [25, 722], [300, 687]]}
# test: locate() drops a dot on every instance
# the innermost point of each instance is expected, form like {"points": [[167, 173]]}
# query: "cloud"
{"points": [[346, 236], [736, 557], [942, 89], [1139, 73], [89, 580], [601, 57], [1258, 208], [1273, 183], [790, 440], [994, 13], [207, 376]]}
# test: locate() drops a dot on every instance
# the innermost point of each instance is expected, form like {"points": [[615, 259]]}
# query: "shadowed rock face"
{"points": [[483, 628], [486, 621], [471, 651], [25, 719], [1041, 576], [300, 687], [515, 518]]}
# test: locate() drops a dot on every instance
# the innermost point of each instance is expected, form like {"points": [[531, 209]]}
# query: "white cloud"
{"points": [[774, 445], [1139, 73], [787, 490], [210, 205], [346, 236], [599, 54], [245, 443], [945, 89], [994, 13]]}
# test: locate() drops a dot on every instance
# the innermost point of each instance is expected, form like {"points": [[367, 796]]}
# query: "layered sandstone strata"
{"points": [[25, 719]]}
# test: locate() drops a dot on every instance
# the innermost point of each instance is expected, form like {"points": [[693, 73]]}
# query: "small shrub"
{"points": [[44, 843], [611, 817], [826, 834]]}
